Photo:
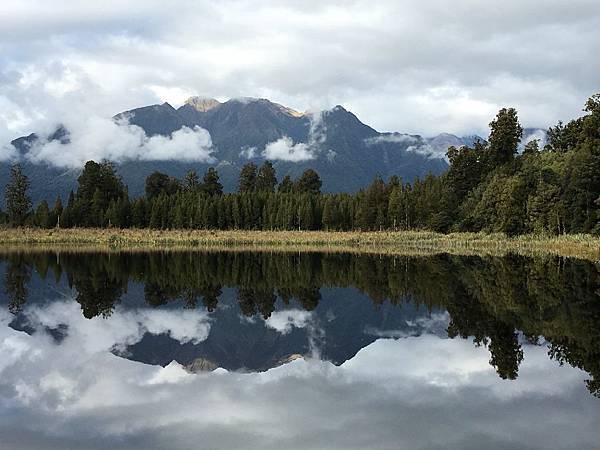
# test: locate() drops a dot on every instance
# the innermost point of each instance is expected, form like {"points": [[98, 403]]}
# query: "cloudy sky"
{"points": [[421, 66]]}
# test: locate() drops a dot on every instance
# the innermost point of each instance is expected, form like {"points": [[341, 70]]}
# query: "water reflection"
{"points": [[366, 333]]}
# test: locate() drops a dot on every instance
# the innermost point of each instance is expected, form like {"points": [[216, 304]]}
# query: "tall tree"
{"points": [[191, 182], [286, 186], [18, 202], [309, 182], [506, 133], [42, 215], [160, 183], [247, 181], [56, 212], [210, 182], [266, 179]]}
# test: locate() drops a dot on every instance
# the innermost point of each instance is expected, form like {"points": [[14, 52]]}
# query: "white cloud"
{"points": [[409, 143], [397, 138], [97, 138], [539, 135], [284, 149], [469, 61], [248, 152], [418, 67], [8, 152]]}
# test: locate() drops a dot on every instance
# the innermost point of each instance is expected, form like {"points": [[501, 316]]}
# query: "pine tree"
{"points": [[18, 202], [266, 179], [330, 214], [247, 181], [191, 182], [56, 212], [42, 215], [286, 186], [211, 184], [309, 182]]}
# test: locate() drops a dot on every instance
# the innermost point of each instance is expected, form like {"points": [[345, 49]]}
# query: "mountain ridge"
{"points": [[346, 152]]}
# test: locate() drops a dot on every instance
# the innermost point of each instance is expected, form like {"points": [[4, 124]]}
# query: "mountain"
{"points": [[344, 151]]}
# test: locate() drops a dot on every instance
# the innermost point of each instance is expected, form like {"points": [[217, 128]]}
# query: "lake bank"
{"points": [[401, 242]]}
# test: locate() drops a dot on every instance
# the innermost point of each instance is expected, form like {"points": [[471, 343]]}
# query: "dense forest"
{"points": [[496, 185], [489, 298]]}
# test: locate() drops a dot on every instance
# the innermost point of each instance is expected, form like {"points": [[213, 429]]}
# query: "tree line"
{"points": [[496, 185]]}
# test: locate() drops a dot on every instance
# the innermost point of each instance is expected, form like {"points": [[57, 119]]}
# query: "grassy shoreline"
{"points": [[401, 243]]}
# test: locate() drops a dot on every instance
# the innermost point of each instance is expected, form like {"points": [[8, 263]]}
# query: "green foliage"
{"points": [[505, 135], [160, 183], [266, 179], [210, 182], [18, 202], [248, 178], [309, 182]]}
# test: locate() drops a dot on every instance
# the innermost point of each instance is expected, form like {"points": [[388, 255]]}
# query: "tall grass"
{"points": [[405, 242]]}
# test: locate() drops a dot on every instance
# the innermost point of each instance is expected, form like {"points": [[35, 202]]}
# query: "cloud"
{"points": [[284, 321], [8, 152], [417, 67], [539, 135], [98, 138], [284, 149], [248, 152], [396, 138], [410, 143]]}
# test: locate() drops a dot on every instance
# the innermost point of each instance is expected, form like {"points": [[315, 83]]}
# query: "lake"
{"points": [[278, 350]]}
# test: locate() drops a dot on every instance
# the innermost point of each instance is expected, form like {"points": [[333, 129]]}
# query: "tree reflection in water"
{"points": [[493, 299]]}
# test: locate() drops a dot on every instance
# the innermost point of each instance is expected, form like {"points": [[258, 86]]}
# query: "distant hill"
{"points": [[344, 151]]}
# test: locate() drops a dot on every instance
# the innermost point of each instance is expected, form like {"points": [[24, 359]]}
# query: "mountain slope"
{"points": [[344, 151]]}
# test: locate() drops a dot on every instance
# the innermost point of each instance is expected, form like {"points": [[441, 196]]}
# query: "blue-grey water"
{"points": [[308, 351]]}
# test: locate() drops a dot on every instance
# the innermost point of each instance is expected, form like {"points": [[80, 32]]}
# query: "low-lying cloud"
{"points": [[408, 142], [98, 138], [284, 149], [395, 138]]}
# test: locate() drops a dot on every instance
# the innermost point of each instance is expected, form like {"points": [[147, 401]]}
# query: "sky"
{"points": [[423, 67]]}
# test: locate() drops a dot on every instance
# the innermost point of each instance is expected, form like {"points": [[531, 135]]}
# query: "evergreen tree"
{"points": [[17, 200], [247, 181], [309, 182], [56, 213], [191, 181], [42, 215], [266, 179], [505, 135], [286, 186], [160, 183], [211, 184]]}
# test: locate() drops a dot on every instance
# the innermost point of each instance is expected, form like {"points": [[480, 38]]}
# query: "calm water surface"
{"points": [[282, 351]]}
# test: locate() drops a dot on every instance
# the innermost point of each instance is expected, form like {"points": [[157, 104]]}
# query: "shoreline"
{"points": [[411, 243]]}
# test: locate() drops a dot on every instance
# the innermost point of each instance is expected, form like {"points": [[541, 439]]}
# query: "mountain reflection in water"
{"points": [[91, 318]]}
